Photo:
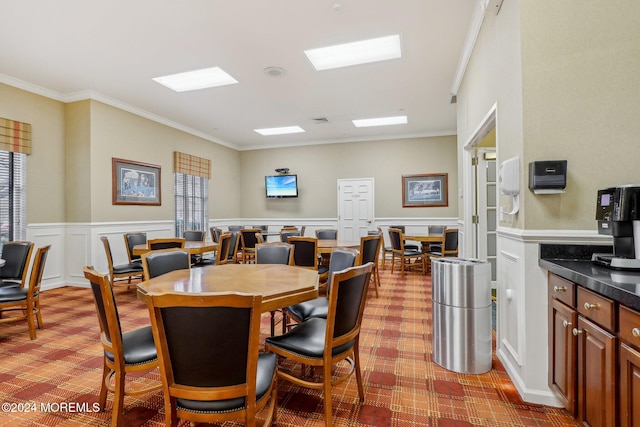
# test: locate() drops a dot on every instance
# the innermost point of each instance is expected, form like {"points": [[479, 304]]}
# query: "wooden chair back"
{"points": [[166, 243]]}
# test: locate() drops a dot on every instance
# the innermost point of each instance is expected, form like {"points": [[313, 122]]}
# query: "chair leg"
{"points": [[328, 407], [356, 360], [31, 323], [102, 399], [118, 400], [39, 314]]}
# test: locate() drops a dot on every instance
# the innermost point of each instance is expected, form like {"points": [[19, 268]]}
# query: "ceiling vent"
{"points": [[274, 71]]}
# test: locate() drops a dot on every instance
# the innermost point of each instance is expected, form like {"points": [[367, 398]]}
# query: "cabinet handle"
{"points": [[635, 332], [566, 324], [576, 332], [559, 289], [588, 306]]}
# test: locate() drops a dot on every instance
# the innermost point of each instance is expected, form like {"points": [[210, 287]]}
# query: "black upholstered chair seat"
{"points": [[13, 294], [266, 368], [412, 252], [323, 269], [9, 283], [318, 307], [307, 340], [137, 347], [134, 267]]}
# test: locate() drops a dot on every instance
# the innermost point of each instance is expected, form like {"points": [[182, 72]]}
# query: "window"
{"points": [[12, 196], [191, 201]]}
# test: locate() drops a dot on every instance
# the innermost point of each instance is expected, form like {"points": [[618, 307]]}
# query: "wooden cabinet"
{"points": [[562, 351], [596, 375], [583, 352], [629, 321]]}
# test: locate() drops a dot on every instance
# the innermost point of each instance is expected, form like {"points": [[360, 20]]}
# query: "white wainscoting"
{"points": [[522, 317], [75, 245]]}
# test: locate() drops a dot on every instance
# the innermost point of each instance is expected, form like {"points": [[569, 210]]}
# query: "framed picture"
{"points": [[135, 183], [426, 190]]}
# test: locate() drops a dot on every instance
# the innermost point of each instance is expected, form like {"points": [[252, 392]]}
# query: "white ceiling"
{"points": [[110, 50]]}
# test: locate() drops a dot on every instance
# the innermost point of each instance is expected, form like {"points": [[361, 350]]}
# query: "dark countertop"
{"points": [[573, 262]]}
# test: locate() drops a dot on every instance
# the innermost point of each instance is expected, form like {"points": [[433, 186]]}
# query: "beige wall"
{"points": [[581, 93], [69, 174], [78, 194], [46, 166], [320, 166], [117, 133]]}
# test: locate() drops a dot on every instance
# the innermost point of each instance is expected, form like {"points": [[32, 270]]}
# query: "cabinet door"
{"points": [[629, 387], [562, 354], [596, 375]]}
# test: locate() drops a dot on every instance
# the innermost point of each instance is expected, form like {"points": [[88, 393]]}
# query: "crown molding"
{"points": [[469, 44]]}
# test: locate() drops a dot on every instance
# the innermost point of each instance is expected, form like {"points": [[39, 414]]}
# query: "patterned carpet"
{"points": [[54, 380]]}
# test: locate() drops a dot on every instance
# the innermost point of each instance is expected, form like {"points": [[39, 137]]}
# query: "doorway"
{"points": [[355, 208]]}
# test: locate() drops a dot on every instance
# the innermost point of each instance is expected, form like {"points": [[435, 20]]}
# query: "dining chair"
{"points": [[409, 246], [319, 307], [286, 234], [17, 255], [327, 234], [124, 352], [449, 246], [275, 253], [26, 300], [166, 243], [194, 236], [234, 245], [323, 343], [403, 255], [162, 261], [435, 230], [130, 241], [213, 374], [387, 250], [248, 241], [370, 252], [215, 234], [120, 271], [305, 254]]}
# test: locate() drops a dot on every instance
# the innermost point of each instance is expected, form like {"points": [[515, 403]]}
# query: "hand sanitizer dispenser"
{"points": [[509, 182]]}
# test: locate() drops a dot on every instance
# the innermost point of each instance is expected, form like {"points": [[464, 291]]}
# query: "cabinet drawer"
{"points": [[562, 290], [597, 308], [629, 321]]}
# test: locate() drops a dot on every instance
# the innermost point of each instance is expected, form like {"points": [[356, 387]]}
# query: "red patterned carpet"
{"points": [[54, 380]]}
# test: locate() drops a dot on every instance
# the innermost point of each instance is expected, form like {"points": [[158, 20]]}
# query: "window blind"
{"points": [[15, 136], [191, 192], [12, 196]]}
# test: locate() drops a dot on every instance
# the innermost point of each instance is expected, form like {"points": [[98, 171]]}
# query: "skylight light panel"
{"points": [[362, 52], [382, 121], [196, 79], [280, 131]]}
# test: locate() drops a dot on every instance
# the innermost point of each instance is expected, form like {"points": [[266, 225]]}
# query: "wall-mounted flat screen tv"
{"points": [[279, 186]]}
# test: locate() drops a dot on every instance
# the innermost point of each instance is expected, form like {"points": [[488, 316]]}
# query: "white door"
{"points": [[486, 214], [355, 208]]}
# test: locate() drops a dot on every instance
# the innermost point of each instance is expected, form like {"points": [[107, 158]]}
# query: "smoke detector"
{"points": [[274, 71]]}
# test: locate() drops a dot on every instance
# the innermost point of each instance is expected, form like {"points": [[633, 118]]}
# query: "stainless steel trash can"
{"points": [[461, 293]]}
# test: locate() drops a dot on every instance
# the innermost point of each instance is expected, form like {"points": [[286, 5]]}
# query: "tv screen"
{"points": [[278, 186]]}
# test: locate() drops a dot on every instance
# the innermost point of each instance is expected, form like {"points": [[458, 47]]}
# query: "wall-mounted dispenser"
{"points": [[548, 176], [509, 182]]}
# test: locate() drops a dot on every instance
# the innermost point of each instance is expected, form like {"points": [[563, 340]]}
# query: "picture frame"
{"points": [[135, 183], [425, 190]]}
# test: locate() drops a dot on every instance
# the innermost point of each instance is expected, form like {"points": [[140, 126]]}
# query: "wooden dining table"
{"points": [[326, 246], [279, 285], [193, 247], [425, 239]]}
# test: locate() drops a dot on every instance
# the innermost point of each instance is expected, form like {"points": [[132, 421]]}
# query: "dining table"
{"points": [[425, 239], [326, 246], [193, 247], [280, 285]]}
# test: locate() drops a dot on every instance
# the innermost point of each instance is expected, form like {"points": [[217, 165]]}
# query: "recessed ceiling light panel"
{"points": [[279, 131], [382, 121], [196, 79], [362, 52]]}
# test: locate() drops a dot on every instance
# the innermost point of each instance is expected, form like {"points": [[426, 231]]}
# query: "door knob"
{"points": [[588, 306], [565, 323], [576, 332], [559, 289], [635, 332]]}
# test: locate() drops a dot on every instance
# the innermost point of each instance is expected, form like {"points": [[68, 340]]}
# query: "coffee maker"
{"points": [[618, 215]]}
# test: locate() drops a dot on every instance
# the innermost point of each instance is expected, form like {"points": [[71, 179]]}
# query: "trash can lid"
{"points": [[456, 260]]}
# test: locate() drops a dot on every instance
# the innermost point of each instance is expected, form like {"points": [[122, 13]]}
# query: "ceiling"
{"points": [[110, 51]]}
